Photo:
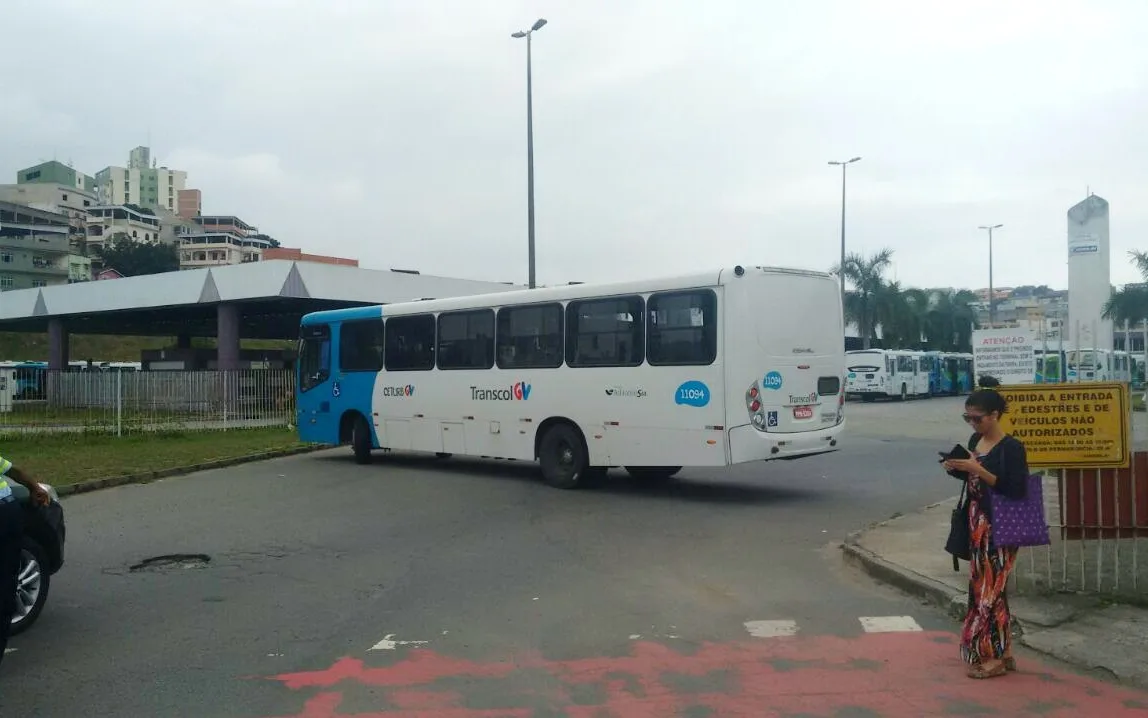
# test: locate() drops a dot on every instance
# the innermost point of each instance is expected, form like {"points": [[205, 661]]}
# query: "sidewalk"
{"points": [[1085, 631]]}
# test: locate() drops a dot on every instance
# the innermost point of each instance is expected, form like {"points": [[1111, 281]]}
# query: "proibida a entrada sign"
{"points": [[1008, 355]]}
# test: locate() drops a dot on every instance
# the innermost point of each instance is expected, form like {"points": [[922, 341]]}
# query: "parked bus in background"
{"points": [[28, 378], [702, 370], [956, 374], [1050, 366], [1089, 365], [880, 373], [911, 366], [932, 365], [1121, 370]]}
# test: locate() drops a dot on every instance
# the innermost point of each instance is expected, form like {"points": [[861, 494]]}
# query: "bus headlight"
{"points": [[758, 420]]}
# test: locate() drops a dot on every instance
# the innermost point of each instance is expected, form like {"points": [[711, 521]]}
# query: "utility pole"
{"points": [[992, 295], [841, 266], [530, 149]]}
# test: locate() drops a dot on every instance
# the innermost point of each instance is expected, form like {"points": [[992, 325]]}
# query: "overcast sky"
{"points": [[669, 134]]}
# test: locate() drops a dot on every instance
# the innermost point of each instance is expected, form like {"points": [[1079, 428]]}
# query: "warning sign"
{"points": [[1080, 426], [1008, 355]]}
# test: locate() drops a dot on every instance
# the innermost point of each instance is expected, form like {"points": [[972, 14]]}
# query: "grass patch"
{"points": [[63, 459], [33, 414]]}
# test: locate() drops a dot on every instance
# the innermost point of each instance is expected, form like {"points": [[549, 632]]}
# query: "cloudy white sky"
{"points": [[669, 134]]}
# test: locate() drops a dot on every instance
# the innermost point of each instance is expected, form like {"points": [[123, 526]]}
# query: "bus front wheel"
{"points": [[361, 441], [563, 459]]}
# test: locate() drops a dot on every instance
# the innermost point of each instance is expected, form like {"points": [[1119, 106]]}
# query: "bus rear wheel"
{"points": [[361, 441], [563, 458], [652, 473]]}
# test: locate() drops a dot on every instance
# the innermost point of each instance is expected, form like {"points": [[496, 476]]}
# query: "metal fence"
{"points": [[122, 402], [1098, 521]]}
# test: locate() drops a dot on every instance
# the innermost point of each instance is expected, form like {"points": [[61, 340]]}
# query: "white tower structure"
{"points": [[1089, 275]]}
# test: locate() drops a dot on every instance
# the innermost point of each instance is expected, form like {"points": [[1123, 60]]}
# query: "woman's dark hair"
{"points": [[987, 400]]}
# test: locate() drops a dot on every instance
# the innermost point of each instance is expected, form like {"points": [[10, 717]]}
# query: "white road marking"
{"points": [[771, 629], [389, 644], [9, 650], [635, 636], [889, 624]]}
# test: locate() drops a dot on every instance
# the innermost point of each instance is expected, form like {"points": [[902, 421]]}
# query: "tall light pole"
{"points": [[530, 147], [992, 295], [841, 267]]}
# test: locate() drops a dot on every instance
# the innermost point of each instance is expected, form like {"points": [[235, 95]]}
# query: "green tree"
{"points": [[903, 315], [132, 258], [864, 301], [951, 320], [1130, 303]]}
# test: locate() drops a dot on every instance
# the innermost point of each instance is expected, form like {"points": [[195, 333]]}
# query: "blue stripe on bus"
{"points": [[342, 315]]}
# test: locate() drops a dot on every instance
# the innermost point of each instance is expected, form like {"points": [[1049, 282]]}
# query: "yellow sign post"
{"points": [[1068, 426]]}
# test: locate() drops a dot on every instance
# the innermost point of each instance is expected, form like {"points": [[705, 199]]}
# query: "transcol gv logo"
{"points": [[519, 391], [407, 390]]}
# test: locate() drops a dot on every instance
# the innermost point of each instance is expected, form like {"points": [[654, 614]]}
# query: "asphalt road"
{"points": [[468, 588]]}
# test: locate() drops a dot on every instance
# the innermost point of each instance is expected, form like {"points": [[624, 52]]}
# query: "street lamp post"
{"points": [[992, 295], [530, 147], [841, 267]]}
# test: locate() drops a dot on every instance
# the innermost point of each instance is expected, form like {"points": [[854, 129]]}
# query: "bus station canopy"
{"points": [[269, 298]]}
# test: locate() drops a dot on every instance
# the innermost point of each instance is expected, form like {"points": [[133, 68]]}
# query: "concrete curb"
{"points": [[149, 476], [911, 582]]}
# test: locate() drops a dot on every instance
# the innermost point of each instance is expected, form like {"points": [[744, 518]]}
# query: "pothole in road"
{"points": [[172, 562]]}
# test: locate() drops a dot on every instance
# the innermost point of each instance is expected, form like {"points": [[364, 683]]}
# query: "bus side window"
{"points": [[605, 332], [361, 346], [314, 356], [682, 328], [530, 337], [409, 343]]}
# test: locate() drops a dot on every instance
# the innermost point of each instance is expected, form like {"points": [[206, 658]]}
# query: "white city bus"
{"points": [[711, 369], [874, 373], [1089, 365]]}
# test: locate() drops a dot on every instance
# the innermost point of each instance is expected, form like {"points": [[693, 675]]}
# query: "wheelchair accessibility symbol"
{"points": [[771, 419], [335, 390]]}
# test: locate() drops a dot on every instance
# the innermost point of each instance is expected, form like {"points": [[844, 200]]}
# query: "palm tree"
{"points": [[863, 302], [902, 315], [1130, 303], [951, 320]]}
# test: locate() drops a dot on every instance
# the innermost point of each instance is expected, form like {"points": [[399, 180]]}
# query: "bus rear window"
{"points": [[682, 328]]}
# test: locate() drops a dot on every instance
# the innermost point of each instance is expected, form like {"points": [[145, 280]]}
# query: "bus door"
{"points": [[313, 403], [356, 360]]}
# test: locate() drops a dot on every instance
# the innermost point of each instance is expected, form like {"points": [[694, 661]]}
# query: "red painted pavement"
{"points": [[890, 675]]}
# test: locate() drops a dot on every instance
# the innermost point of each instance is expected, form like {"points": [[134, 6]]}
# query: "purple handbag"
{"points": [[1020, 522]]}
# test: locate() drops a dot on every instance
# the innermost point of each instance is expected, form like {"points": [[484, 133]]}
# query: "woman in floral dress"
{"points": [[999, 465]]}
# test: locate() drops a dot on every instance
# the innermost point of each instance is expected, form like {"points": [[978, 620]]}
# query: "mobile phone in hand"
{"points": [[957, 452]]}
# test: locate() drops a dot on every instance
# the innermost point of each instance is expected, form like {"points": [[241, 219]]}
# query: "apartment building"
{"points": [[189, 203], [35, 247], [221, 240], [58, 198], [141, 183], [105, 221], [56, 173]]}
